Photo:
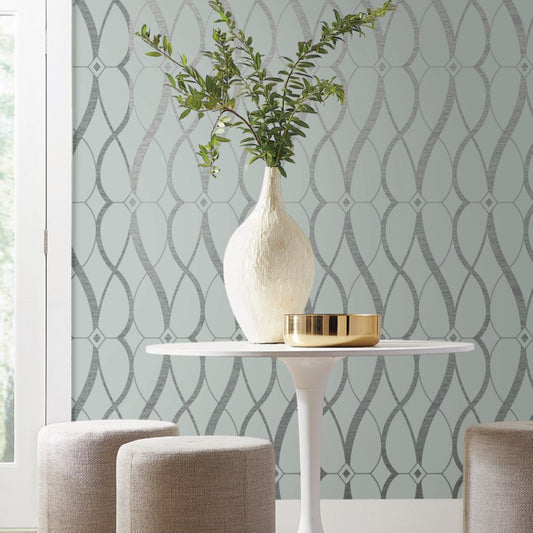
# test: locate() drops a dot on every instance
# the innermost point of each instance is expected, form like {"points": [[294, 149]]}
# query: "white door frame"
{"points": [[59, 210]]}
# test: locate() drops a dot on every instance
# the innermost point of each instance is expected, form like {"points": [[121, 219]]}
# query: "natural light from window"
{"points": [[7, 236]]}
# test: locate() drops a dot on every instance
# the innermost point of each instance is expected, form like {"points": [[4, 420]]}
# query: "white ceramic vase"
{"points": [[268, 266]]}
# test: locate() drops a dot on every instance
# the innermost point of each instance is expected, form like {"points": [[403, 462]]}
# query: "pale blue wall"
{"points": [[417, 197]]}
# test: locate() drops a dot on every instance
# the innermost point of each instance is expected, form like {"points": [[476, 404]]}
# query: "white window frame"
{"points": [[59, 210], [47, 380], [47, 247], [18, 482]]}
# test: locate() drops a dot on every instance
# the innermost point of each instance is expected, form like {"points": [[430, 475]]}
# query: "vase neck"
{"points": [[271, 193]]}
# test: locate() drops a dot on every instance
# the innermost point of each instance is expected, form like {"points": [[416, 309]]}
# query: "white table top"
{"points": [[248, 349]]}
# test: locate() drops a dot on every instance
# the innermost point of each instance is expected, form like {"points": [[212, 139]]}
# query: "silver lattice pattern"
{"points": [[417, 197]]}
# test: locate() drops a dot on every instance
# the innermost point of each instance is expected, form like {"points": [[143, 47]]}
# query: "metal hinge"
{"points": [[45, 241]]}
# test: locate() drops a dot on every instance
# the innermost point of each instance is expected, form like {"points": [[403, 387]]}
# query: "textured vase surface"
{"points": [[268, 266]]}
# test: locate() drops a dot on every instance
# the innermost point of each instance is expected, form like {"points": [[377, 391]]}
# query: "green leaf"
{"points": [[153, 54], [300, 122], [185, 113], [203, 154], [252, 159], [171, 79]]}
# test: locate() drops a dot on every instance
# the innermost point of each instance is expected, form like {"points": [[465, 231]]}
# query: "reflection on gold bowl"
{"points": [[332, 330]]}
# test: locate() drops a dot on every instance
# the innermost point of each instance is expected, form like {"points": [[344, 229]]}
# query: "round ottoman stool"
{"points": [[498, 478], [210, 484], [77, 463]]}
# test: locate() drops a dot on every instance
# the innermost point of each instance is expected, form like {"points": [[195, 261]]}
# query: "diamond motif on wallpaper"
{"points": [[346, 202], [346, 473], [453, 66], [417, 202], [382, 66], [279, 474], [384, 333], [96, 338], [132, 202], [452, 202], [490, 337], [488, 202], [525, 66], [96, 66], [523, 202], [168, 336], [95, 202], [381, 472], [381, 202], [167, 66], [167, 203], [524, 337], [490, 66], [238, 335], [309, 202], [203, 202], [453, 336], [418, 66], [417, 473]]}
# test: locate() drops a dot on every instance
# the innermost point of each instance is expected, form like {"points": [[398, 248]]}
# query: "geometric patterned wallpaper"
{"points": [[417, 196]]}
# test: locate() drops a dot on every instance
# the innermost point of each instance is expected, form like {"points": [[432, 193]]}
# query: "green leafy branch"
{"points": [[277, 104]]}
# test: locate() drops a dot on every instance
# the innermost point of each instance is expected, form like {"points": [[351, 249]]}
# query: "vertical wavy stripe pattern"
{"points": [[417, 196]]}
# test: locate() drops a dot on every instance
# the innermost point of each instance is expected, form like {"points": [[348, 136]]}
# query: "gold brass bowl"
{"points": [[332, 330]]}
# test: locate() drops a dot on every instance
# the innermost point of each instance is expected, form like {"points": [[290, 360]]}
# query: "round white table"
{"points": [[310, 368]]}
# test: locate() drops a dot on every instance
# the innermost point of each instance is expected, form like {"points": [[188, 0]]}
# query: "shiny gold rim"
{"points": [[314, 330]]}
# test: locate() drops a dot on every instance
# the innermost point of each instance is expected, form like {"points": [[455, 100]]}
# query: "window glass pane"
{"points": [[7, 235]]}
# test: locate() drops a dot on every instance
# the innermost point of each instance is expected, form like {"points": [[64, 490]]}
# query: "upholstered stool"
{"points": [[498, 478], [77, 471], [208, 484]]}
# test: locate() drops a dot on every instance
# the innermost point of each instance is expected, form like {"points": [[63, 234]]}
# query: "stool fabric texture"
{"points": [[212, 484], [498, 478], [77, 471]]}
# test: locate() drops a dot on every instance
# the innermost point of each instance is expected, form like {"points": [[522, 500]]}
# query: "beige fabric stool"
{"points": [[77, 471], [498, 478], [208, 484]]}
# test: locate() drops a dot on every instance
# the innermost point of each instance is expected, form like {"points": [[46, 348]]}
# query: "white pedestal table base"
{"points": [[310, 376]]}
